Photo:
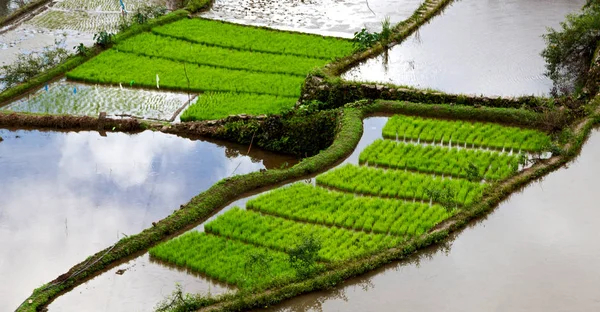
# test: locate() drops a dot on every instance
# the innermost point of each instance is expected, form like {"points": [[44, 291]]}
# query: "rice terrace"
{"points": [[382, 155]]}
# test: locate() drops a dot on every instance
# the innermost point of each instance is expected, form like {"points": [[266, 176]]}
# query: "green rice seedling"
{"points": [[405, 184], [148, 44], [226, 260], [461, 132], [211, 105], [256, 39], [305, 202], [112, 67], [261, 230]]}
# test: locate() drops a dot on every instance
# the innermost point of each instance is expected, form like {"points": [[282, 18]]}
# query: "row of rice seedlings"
{"points": [[256, 39], [462, 132], [101, 5], [281, 234], [307, 203], [77, 20], [113, 67], [184, 51], [439, 160], [225, 260], [400, 184], [210, 106]]}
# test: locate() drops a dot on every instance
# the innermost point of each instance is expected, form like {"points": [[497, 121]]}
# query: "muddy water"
{"points": [[68, 195], [538, 251], [329, 17], [486, 47]]}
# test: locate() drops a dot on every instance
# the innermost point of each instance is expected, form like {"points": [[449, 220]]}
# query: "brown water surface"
{"points": [[66, 196], [538, 251], [489, 47]]}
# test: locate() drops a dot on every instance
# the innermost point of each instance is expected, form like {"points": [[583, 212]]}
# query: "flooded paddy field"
{"points": [[538, 251], [474, 47], [148, 281], [69, 22], [329, 17], [89, 100], [68, 195]]}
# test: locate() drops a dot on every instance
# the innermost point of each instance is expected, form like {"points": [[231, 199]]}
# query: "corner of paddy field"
{"points": [[292, 130]]}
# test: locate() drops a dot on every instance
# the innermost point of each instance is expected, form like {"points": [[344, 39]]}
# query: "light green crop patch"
{"points": [[256, 39], [306, 203], [470, 134]]}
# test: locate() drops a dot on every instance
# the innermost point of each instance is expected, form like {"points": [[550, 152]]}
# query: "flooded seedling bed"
{"points": [[90, 100]]}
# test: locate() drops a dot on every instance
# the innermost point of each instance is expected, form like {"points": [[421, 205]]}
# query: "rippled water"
{"points": [[330, 17], [539, 251], [66, 196], [80, 99], [486, 47]]}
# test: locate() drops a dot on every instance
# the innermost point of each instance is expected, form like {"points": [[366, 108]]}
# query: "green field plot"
{"points": [[303, 202], [238, 69], [400, 184], [282, 234], [462, 132], [112, 67], [440, 160], [219, 105], [183, 51], [225, 260], [256, 39]]}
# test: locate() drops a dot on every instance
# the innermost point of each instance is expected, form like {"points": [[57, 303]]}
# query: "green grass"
{"points": [[439, 160], [149, 44], [282, 234], [112, 67], [224, 259], [399, 184], [303, 202], [210, 106], [256, 39], [465, 133]]}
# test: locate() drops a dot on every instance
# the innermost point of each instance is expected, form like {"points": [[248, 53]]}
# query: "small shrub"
{"points": [[197, 5], [104, 39], [364, 39], [386, 31], [81, 49], [303, 257]]}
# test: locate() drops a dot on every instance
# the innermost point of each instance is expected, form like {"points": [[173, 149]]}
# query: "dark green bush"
{"points": [[197, 5], [570, 49]]}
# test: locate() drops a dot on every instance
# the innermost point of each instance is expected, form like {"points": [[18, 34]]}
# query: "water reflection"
{"points": [[477, 47], [538, 251], [68, 195], [330, 17], [89, 100]]}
